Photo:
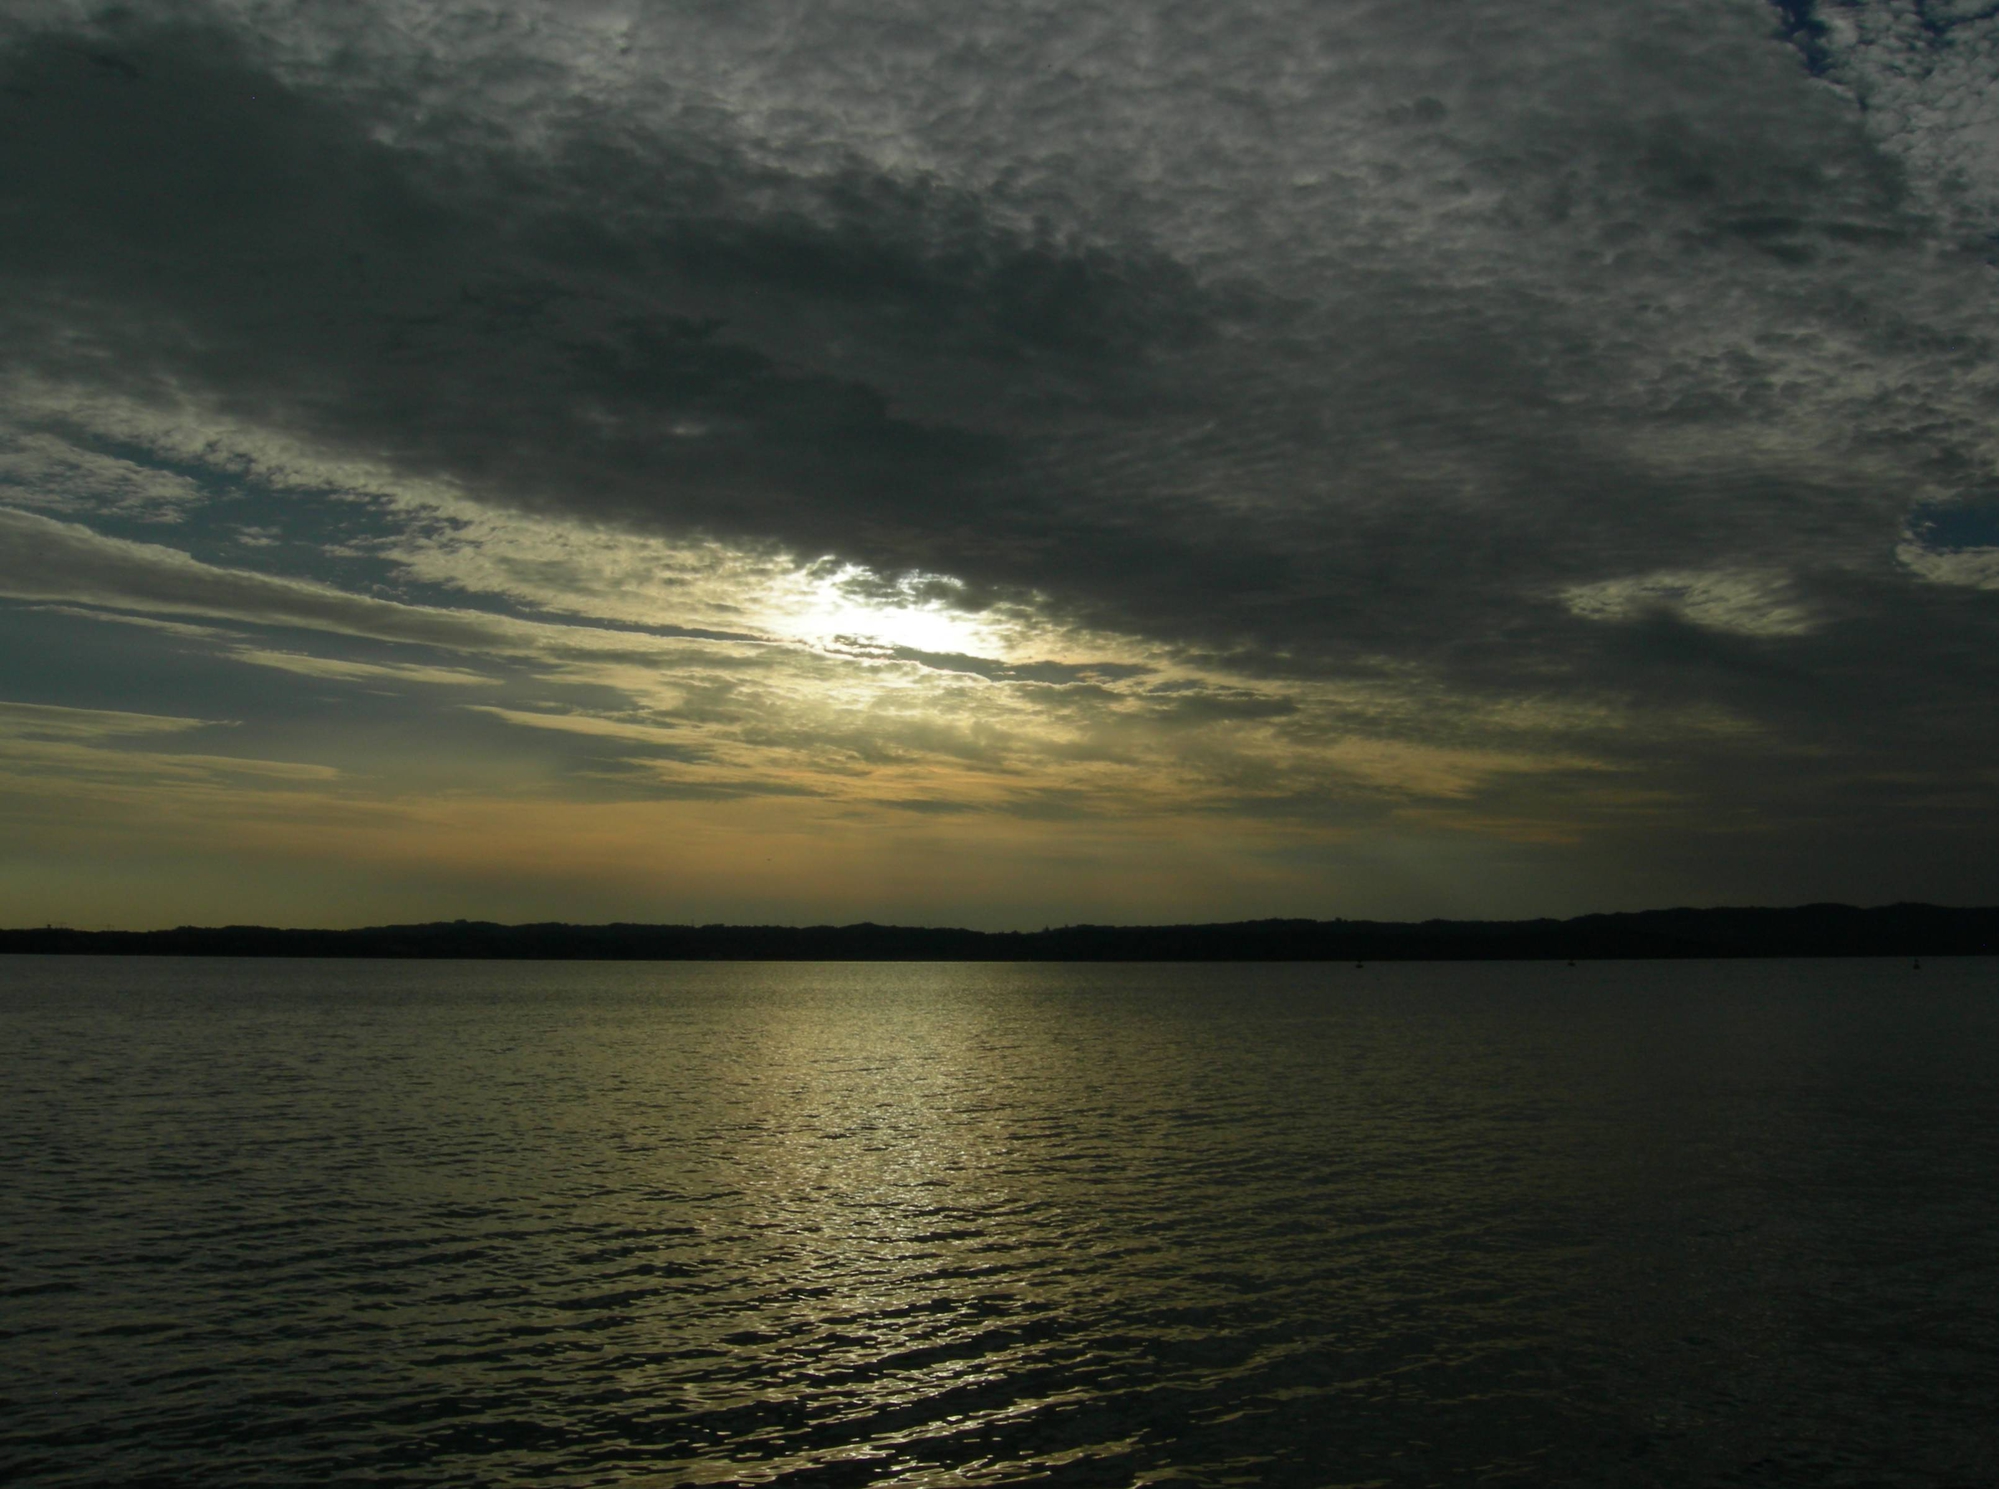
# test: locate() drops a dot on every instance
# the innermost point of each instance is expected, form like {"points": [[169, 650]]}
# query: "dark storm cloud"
{"points": [[560, 332], [1560, 349]]}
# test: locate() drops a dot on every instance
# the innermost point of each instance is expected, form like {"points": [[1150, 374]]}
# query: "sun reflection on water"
{"points": [[953, 1224]]}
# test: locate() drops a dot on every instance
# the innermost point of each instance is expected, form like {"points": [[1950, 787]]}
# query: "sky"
{"points": [[1003, 465]]}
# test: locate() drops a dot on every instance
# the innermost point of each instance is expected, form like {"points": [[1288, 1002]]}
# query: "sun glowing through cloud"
{"points": [[844, 607]]}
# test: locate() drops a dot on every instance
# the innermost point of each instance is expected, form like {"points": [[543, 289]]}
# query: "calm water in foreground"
{"points": [[318, 1222]]}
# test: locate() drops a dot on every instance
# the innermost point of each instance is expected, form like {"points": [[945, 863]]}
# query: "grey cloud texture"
{"points": [[1549, 353], [1268, 312]]}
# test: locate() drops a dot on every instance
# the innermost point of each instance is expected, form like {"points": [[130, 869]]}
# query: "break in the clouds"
{"points": [[1005, 464]]}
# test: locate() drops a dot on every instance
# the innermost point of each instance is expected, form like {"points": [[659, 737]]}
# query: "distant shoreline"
{"points": [[1808, 930]]}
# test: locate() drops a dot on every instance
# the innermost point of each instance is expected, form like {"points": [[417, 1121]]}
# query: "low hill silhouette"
{"points": [[1806, 930]]}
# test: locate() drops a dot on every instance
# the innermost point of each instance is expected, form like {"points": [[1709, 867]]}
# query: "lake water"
{"points": [[615, 1223]]}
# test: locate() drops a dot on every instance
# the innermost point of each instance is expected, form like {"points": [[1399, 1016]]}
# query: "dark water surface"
{"points": [[1621, 1224]]}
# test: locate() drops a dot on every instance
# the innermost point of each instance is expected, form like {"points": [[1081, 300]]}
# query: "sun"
{"points": [[846, 607]]}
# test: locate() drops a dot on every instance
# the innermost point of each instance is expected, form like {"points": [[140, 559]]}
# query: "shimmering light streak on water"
{"points": [[271, 1223]]}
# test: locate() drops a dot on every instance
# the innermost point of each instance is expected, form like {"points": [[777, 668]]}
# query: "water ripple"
{"points": [[276, 1223]]}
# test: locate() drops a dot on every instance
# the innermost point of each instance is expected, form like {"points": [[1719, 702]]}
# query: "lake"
{"points": [[291, 1222]]}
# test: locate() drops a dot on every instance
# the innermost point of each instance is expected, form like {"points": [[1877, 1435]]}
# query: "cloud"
{"points": [[1954, 542], [44, 721], [47, 749], [350, 671], [978, 335], [1924, 73], [1295, 412], [1972, 568], [40, 470], [594, 725], [44, 559], [181, 628], [1743, 603]]}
